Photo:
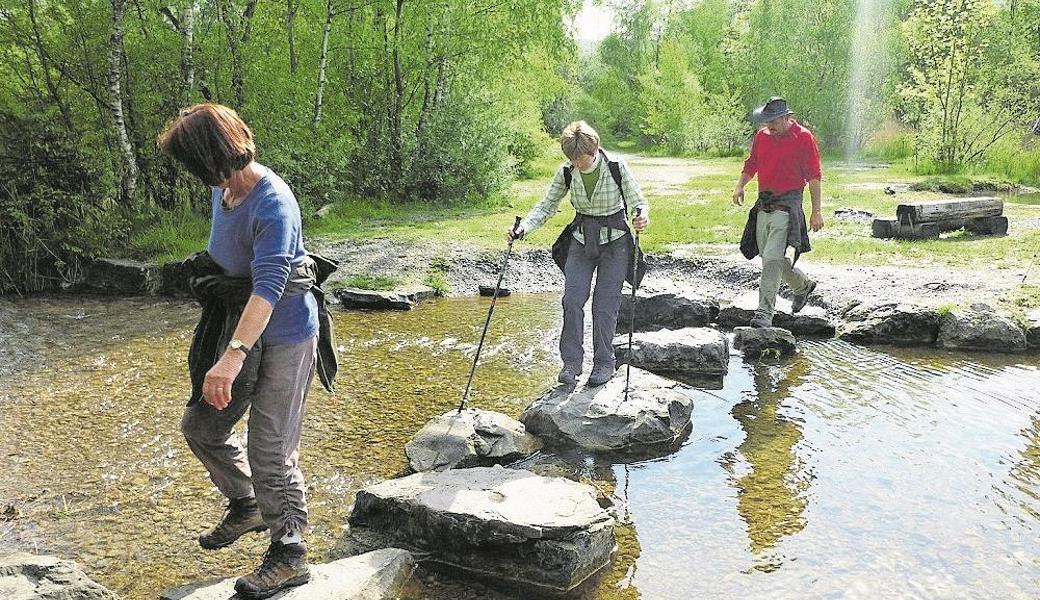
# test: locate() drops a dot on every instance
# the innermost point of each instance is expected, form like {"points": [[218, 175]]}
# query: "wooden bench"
{"points": [[926, 220]]}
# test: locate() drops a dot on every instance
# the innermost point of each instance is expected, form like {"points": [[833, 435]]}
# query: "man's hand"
{"points": [[738, 196], [216, 389], [816, 221], [514, 234], [639, 222]]}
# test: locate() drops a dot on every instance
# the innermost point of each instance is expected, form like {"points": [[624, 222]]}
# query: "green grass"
{"points": [[438, 280], [170, 237], [698, 212], [373, 282]]}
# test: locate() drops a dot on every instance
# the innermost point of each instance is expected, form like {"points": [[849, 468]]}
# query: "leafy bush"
{"points": [[54, 215], [463, 154]]}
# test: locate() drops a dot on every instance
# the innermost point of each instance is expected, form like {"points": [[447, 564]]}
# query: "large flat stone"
{"points": [[693, 351], [39, 577], [174, 276], [980, 328], [671, 310], [404, 299], [811, 321], [377, 575], [891, 323], [657, 412], [756, 342], [549, 534], [468, 439], [121, 277]]}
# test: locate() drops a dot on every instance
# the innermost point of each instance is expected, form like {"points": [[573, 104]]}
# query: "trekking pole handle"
{"points": [[516, 227]]}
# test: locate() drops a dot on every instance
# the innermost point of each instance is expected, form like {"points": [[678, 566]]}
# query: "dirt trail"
{"points": [[716, 271]]}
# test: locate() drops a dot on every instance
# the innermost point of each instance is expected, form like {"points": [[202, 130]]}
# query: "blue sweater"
{"points": [[262, 237]]}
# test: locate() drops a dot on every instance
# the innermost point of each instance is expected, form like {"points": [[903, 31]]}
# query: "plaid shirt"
{"points": [[605, 200]]}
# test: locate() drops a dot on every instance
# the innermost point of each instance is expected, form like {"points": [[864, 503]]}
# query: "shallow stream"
{"points": [[846, 472]]}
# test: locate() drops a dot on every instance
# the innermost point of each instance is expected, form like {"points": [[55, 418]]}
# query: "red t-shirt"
{"points": [[784, 162]]}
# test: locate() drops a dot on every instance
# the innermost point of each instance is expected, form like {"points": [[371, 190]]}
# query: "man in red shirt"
{"points": [[786, 159]]}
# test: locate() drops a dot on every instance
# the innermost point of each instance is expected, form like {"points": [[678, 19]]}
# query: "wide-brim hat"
{"points": [[775, 108]]}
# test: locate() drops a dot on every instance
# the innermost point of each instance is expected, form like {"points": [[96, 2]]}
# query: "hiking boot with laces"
{"points": [[798, 300], [283, 566], [241, 517], [761, 320]]}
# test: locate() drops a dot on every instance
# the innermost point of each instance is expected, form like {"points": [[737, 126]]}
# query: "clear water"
{"points": [[846, 472]]}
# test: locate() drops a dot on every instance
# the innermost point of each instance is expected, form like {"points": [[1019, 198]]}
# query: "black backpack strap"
{"points": [[567, 177]]}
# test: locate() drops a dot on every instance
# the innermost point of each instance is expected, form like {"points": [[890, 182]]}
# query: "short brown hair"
{"points": [[210, 140], [579, 139]]}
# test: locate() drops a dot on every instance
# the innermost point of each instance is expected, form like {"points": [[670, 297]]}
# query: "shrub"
{"points": [[54, 212]]}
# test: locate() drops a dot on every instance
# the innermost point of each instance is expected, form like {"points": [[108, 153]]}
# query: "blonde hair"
{"points": [[579, 139]]}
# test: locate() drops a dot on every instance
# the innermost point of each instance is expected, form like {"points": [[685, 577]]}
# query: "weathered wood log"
{"points": [[890, 228], [948, 210], [988, 225]]}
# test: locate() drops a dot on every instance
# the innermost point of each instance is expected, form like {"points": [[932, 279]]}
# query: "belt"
{"points": [[774, 207]]}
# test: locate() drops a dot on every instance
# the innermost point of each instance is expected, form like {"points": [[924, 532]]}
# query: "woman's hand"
{"points": [[216, 389], [639, 222]]}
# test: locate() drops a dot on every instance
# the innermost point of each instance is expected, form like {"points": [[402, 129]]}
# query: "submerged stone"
{"points": [[38, 577], [657, 412], [549, 534], [811, 321], [690, 351], [404, 299], [892, 323], [666, 311], [756, 342], [470, 438], [377, 575], [980, 328]]}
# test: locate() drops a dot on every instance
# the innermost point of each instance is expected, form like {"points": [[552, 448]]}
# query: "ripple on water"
{"points": [[846, 471]]}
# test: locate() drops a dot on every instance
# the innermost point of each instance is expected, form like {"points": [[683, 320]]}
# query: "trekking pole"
{"points": [[632, 316], [494, 297]]}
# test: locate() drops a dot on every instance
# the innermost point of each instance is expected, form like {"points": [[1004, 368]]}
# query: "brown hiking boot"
{"points": [[241, 517], [283, 566]]}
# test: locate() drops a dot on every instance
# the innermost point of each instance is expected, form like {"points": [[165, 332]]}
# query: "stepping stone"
{"points": [[656, 413], [511, 526], [1033, 329], [376, 575], [980, 328], [121, 277], [472, 438], [666, 311], [769, 340], [891, 323], [693, 351], [38, 577], [811, 321], [404, 299], [174, 280], [488, 291]]}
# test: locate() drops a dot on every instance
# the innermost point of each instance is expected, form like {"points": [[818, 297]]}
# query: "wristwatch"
{"points": [[237, 344]]}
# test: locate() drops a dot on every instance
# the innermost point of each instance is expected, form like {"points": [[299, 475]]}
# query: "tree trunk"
{"points": [[115, 98], [235, 23], [323, 62], [291, 6], [188, 50], [397, 103]]}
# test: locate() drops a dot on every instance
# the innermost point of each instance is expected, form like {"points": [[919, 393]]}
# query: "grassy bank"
{"points": [[689, 206]]}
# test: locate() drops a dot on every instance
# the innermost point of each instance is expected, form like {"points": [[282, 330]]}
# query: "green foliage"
{"points": [[438, 280], [373, 282], [54, 214]]}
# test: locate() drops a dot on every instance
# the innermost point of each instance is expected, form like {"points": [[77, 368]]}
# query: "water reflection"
{"points": [[771, 485]]}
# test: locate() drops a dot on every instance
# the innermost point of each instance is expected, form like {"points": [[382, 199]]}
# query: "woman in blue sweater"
{"points": [[256, 236]]}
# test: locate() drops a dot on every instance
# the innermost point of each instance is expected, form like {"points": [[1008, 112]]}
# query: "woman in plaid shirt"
{"points": [[599, 193]]}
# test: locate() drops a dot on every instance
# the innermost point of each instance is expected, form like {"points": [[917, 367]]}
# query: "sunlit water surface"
{"points": [[846, 472]]}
